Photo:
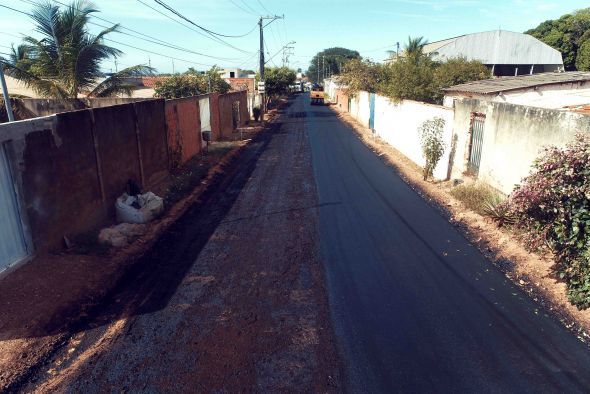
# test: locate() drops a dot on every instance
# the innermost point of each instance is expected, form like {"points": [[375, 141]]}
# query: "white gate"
{"points": [[12, 243]]}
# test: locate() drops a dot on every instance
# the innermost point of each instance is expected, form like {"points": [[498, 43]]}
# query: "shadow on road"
{"points": [[152, 280]]}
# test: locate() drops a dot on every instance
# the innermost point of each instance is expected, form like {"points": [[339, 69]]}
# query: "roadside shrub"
{"points": [[479, 197], [256, 112], [432, 144], [552, 205]]}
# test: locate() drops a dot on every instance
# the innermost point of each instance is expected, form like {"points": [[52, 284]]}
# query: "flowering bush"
{"points": [[553, 207], [432, 144]]}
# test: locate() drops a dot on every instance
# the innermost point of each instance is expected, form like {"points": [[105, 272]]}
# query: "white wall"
{"points": [[204, 113], [360, 109], [398, 125], [514, 136], [552, 96]]}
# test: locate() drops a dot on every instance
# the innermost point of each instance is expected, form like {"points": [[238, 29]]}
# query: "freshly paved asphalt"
{"points": [[416, 307]]}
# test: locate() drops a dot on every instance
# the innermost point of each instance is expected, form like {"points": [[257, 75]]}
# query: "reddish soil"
{"points": [[531, 271], [231, 297], [43, 299]]}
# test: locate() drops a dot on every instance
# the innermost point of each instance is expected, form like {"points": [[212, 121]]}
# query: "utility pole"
{"points": [[7, 102], [150, 61], [173, 67], [397, 51], [323, 68], [261, 27], [116, 69], [318, 67], [287, 51]]}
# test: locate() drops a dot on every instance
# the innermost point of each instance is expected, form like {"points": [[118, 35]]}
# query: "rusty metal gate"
{"points": [[12, 241], [476, 144]]}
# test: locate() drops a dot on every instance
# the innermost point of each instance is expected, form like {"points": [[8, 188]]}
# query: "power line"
{"points": [[243, 9], [248, 6], [211, 37], [177, 13], [149, 38], [262, 5], [14, 9]]}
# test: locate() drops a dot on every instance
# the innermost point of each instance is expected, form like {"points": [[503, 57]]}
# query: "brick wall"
{"points": [[71, 167], [232, 115], [183, 127]]}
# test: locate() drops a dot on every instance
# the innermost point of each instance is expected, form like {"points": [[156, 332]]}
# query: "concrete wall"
{"points": [[233, 115], [183, 127], [37, 107], [514, 136], [70, 167], [549, 96], [398, 125], [359, 108]]}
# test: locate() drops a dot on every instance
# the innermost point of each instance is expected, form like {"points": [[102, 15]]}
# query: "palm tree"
{"points": [[415, 48], [66, 61]]}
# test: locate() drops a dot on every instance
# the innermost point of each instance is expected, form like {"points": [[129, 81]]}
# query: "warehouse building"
{"points": [[504, 52]]}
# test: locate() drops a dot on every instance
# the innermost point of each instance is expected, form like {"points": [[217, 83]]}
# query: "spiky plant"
{"points": [[66, 60]]}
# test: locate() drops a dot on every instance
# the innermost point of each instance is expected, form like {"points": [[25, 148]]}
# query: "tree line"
{"points": [[414, 75]]}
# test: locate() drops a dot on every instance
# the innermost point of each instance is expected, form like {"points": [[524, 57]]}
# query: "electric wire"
{"points": [[180, 15], [211, 37], [149, 38], [243, 9]]}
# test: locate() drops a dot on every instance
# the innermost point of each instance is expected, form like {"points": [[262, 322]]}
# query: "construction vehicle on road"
{"points": [[317, 95]]}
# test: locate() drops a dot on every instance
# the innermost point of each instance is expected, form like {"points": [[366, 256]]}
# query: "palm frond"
{"points": [[117, 83]]}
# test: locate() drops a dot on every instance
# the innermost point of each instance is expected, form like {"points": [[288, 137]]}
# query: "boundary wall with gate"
{"points": [[513, 135]]}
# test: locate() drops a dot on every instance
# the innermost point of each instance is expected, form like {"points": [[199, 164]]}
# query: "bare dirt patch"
{"points": [[43, 299], [530, 271]]}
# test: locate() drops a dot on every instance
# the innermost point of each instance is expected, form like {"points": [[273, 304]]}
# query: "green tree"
{"points": [[191, 83], [414, 50], [66, 61], [329, 62], [361, 75], [277, 81], [456, 71], [568, 34], [411, 77]]}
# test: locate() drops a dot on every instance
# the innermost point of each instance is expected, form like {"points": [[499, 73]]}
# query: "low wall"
{"points": [[233, 108], [37, 107], [514, 135], [398, 124], [70, 167], [360, 108], [183, 126]]}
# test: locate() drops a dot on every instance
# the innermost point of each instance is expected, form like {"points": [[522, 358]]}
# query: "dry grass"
{"points": [[477, 196]]}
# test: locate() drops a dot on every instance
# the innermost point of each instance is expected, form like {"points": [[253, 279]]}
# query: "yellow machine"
{"points": [[317, 95]]}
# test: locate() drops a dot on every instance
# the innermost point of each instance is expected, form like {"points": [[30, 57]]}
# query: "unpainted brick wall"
{"points": [[183, 126], [72, 173], [228, 117]]}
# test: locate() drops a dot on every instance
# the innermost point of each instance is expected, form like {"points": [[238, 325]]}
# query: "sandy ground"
{"points": [[530, 271], [250, 314], [43, 299]]}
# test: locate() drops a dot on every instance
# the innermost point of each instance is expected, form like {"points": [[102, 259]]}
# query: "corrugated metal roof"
{"points": [[496, 47], [504, 84]]}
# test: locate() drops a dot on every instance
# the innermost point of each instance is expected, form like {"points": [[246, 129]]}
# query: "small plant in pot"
{"points": [[256, 112]]}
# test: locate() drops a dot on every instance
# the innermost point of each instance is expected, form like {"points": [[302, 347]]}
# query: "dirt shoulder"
{"points": [[43, 299], [249, 313], [530, 271]]}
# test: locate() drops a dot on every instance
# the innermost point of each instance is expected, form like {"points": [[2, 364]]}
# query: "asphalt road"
{"points": [[416, 307]]}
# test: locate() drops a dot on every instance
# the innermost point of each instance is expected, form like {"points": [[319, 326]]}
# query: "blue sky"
{"points": [[369, 26]]}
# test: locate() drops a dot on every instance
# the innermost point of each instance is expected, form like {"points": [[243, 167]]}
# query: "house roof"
{"points": [[504, 84], [496, 47]]}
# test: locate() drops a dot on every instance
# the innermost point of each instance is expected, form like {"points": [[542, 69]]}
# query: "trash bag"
{"points": [[139, 209], [122, 234]]}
